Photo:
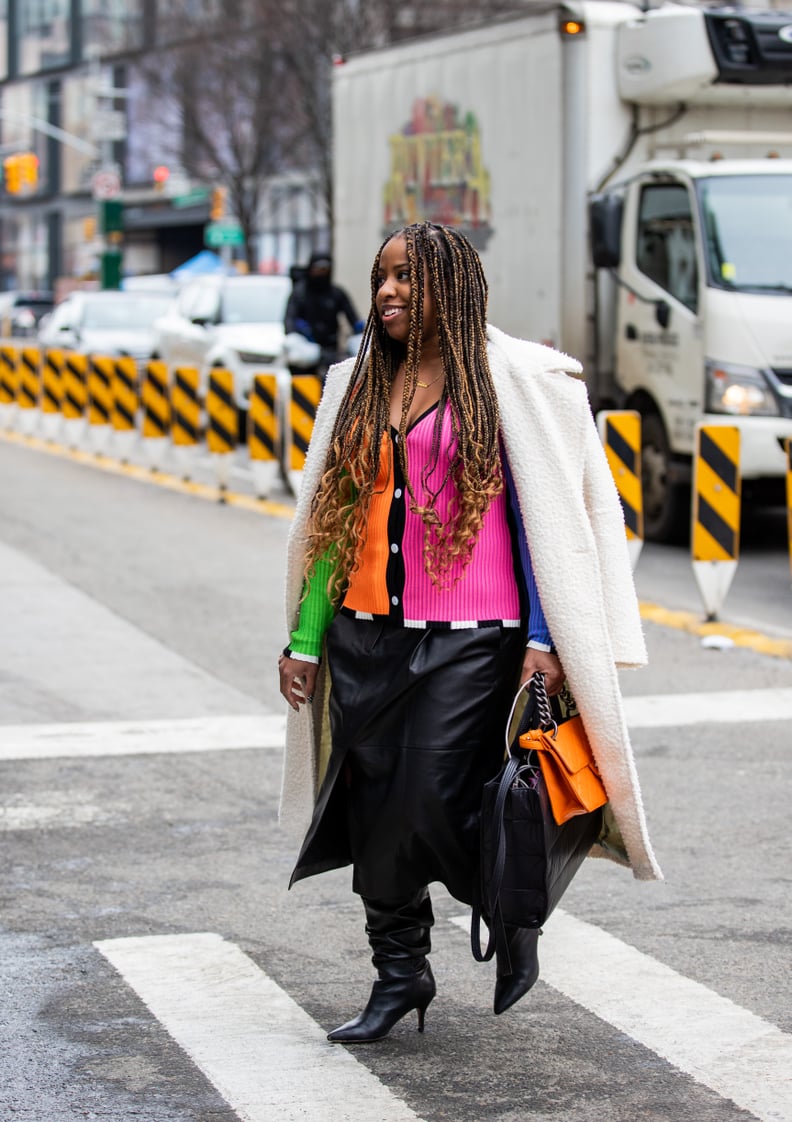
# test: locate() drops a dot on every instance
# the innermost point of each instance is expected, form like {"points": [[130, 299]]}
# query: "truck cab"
{"points": [[704, 320]]}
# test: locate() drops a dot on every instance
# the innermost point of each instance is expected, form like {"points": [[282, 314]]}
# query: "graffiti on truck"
{"points": [[437, 172]]}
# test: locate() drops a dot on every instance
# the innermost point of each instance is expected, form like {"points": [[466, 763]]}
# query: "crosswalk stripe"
{"points": [[722, 706], [263, 1053], [732, 1051], [132, 738], [226, 733]]}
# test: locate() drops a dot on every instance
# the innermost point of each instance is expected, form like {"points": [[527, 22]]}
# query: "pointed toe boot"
{"points": [[393, 996], [398, 933], [518, 966]]}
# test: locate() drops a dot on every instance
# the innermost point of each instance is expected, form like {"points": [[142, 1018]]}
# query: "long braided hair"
{"points": [[341, 505]]}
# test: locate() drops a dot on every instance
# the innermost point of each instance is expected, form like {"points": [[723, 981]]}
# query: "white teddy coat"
{"points": [[575, 530]]}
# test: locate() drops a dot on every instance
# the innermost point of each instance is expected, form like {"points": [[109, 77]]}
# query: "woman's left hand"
{"points": [[545, 663]]}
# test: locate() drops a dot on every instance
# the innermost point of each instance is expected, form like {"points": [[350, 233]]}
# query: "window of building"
{"points": [[666, 247], [111, 25], [3, 39], [43, 34]]}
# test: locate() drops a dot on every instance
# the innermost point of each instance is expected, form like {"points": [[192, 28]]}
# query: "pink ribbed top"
{"points": [[391, 579]]}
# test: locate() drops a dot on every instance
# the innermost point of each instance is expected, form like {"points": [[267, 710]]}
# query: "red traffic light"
{"points": [[161, 174]]}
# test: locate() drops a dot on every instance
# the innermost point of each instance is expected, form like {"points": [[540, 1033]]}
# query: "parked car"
{"points": [[107, 323], [20, 312], [231, 321]]}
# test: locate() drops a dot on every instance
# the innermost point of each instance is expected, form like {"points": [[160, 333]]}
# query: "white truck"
{"points": [[627, 178]]}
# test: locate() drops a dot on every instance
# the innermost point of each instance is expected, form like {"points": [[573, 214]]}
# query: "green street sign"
{"points": [[223, 233], [194, 197]]}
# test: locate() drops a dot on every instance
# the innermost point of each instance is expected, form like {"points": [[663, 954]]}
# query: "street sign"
{"points": [[194, 197], [223, 233], [108, 124], [106, 184]]}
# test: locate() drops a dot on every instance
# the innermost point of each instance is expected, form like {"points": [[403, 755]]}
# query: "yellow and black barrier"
{"points": [[222, 421], [262, 418], [715, 536], [221, 412], [100, 390], [100, 400], [155, 404], [52, 382], [262, 434], [8, 376], [29, 378], [75, 386], [185, 399], [125, 395], [620, 432], [306, 390]]}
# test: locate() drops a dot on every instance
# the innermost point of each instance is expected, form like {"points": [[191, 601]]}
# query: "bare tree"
{"points": [[251, 82]]}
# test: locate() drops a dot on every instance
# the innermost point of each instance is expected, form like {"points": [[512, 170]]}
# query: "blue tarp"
{"points": [[203, 263]]}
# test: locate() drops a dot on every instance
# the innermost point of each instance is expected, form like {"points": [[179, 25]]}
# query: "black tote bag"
{"points": [[527, 859]]}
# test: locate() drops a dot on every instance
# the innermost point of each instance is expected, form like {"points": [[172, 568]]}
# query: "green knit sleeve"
{"points": [[316, 609]]}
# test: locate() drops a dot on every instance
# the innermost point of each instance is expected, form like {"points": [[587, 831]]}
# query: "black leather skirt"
{"points": [[417, 720]]}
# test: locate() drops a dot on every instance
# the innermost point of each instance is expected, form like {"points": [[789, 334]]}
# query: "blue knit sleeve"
{"points": [[538, 635]]}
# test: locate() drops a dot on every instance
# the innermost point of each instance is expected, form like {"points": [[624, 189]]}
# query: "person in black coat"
{"points": [[315, 305]]}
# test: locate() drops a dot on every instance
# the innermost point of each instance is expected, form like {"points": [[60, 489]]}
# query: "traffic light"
{"points": [[13, 174], [21, 172], [30, 168], [161, 175], [217, 206]]}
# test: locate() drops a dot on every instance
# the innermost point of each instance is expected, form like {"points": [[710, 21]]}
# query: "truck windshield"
{"points": [[748, 231]]}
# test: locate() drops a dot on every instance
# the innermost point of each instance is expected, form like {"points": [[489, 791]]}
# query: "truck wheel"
{"points": [[666, 504]]}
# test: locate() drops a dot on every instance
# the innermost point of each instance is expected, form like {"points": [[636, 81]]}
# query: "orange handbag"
{"points": [[565, 757]]}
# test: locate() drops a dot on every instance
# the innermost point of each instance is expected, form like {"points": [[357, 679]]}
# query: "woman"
{"points": [[457, 531]]}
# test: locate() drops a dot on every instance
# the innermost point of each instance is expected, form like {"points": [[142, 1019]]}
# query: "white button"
{"points": [[396, 439], [394, 600], [397, 493], [394, 548]]}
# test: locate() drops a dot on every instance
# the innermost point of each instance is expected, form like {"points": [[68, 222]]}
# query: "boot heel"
{"points": [[421, 1017]]}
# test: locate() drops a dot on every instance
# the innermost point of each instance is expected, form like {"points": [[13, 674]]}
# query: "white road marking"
{"points": [[132, 738], [732, 1051], [216, 734], [266, 1057], [726, 706]]}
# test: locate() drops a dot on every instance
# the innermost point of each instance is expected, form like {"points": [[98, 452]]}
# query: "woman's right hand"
{"points": [[297, 680]]}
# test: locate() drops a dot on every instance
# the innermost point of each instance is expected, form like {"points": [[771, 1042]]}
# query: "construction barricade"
{"points": [[28, 390], [185, 401], [222, 420], [8, 386], [262, 433], [125, 402], [620, 432], [155, 404], [306, 390], [100, 402], [51, 400], [74, 402], [715, 536]]}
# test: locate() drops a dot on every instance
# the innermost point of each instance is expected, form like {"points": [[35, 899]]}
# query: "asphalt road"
{"points": [[133, 616]]}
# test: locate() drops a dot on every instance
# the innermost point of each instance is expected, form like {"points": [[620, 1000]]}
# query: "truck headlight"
{"points": [[739, 391]]}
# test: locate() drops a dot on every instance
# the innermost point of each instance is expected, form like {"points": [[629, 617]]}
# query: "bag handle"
{"points": [[546, 719]]}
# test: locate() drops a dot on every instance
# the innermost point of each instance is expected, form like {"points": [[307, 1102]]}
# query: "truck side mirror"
{"points": [[605, 223], [663, 313]]}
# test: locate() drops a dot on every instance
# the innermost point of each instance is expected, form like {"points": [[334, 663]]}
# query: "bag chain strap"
{"points": [[546, 720]]}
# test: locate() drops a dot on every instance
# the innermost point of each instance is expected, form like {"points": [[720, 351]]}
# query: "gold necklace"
{"points": [[426, 385]]}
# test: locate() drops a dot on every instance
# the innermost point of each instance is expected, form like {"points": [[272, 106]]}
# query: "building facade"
{"points": [[76, 94]]}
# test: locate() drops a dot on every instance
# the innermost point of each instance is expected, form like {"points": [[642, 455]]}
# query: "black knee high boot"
{"points": [[518, 966], [399, 936]]}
